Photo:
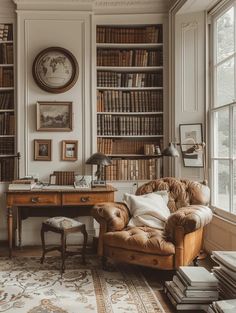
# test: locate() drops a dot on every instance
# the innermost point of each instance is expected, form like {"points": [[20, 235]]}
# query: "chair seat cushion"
{"points": [[140, 239], [62, 222]]}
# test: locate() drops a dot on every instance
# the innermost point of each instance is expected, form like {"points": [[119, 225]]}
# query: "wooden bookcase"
{"points": [[7, 106], [130, 99]]}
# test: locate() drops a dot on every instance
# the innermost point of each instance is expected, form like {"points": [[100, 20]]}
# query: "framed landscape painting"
{"points": [[54, 116]]}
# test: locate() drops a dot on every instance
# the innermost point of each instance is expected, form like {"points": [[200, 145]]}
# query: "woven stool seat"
{"points": [[63, 225]]}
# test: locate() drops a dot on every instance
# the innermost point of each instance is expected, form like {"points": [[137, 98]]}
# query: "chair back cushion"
{"points": [[182, 192]]}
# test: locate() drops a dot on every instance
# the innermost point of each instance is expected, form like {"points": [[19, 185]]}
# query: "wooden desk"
{"points": [[40, 202]]}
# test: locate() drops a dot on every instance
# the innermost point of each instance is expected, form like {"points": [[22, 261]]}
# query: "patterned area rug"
{"points": [[26, 286]]}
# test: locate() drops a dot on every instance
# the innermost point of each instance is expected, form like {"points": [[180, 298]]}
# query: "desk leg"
{"points": [[10, 228], [19, 227]]}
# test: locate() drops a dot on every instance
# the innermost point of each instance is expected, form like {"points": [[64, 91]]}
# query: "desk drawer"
{"points": [[34, 199], [89, 198]]}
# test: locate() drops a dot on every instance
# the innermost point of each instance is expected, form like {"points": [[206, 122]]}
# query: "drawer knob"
{"points": [[34, 199], [84, 199]]}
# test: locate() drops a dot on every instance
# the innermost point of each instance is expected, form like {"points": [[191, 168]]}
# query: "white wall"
{"points": [[189, 105]]}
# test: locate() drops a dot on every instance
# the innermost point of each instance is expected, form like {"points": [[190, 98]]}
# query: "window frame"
{"points": [[229, 215]]}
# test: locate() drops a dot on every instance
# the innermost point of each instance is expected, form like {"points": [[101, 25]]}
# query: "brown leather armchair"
{"points": [[178, 244]]}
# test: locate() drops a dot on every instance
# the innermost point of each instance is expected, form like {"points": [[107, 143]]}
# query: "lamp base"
{"points": [[98, 183]]}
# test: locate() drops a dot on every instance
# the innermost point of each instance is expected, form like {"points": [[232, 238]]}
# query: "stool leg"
{"points": [[84, 232], [43, 244], [63, 251]]}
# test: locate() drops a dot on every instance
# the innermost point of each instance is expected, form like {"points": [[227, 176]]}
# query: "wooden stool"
{"points": [[63, 226]]}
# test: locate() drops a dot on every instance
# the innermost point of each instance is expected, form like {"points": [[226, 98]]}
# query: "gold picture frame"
{"points": [[69, 150], [54, 116], [42, 149]]}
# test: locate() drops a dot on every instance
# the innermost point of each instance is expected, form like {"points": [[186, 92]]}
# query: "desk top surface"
{"points": [[65, 189]]}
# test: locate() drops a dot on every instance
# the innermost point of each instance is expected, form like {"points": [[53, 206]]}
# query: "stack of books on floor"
{"points": [[225, 273], [223, 306], [192, 288]]}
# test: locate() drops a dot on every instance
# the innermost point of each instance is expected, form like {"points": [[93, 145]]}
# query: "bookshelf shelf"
{"points": [[130, 113], [128, 136], [7, 105], [130, 109], [130, 68], [129, 88]]}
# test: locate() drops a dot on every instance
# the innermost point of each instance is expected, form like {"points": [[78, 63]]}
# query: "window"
{"points": [[223, 110]]}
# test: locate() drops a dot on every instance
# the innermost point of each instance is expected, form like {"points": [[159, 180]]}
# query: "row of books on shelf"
{"points": [[6, 77], [129, 57], [129, 125], [6, 53], [192, 288], [7, 145], [139, 169], [7, 123], [129, 101], [135, 34], [6, 32], [117, 79], [6, 100], [7, 169], [115, 146]]}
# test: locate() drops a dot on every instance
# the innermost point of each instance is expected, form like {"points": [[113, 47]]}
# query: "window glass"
{"points": [[222, 184], [225, 35], [234, 132], [225, 83], [221, 133]]}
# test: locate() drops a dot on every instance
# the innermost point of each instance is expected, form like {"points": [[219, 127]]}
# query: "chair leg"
{"points": [[84, 232], [43, 244], [63, 251]]}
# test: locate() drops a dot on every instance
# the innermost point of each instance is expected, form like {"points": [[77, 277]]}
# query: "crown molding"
{"points": [[56, 5], [97, 6]]}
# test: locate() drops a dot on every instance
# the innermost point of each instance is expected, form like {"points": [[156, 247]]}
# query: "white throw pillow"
{"points": [[147, 210]]}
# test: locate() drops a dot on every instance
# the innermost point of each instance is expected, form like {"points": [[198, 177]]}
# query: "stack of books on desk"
{"points": [[22, 184], [223, 306], [225, 273], [192, 288]]}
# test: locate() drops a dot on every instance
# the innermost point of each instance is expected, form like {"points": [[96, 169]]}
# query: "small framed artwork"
{"points": [[82, 181], [54, 116], [191, 143], [42, 149], [69, 150]]}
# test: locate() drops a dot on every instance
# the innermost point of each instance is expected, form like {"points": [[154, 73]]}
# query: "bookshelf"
{"points": [[130, 110], [7, 107]]}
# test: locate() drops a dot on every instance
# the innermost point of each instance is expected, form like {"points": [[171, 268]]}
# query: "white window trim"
{"points": [[213, 15]]}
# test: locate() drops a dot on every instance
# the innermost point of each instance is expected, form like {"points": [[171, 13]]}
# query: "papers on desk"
{"points": [[58, 187]]}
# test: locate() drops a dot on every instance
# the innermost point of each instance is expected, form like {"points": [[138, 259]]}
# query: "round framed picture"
{"points": [[55, 70]]}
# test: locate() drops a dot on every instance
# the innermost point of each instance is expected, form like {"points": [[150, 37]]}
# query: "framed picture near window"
{"points": [[54, 116], [42, 149], [69, 150], [191, 143]]}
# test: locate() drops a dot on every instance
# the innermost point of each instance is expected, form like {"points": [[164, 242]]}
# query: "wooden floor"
{"points": [[155, 278]]}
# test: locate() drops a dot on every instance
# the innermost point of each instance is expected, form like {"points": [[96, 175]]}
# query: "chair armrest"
{"points": [[190, 218], [113, 215]]}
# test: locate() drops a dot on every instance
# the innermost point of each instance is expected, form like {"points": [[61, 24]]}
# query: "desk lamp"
{"points": [[100, 160]]}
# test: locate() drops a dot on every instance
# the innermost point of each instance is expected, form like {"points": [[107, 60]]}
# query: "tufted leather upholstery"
{"points": [[187, 202]]}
